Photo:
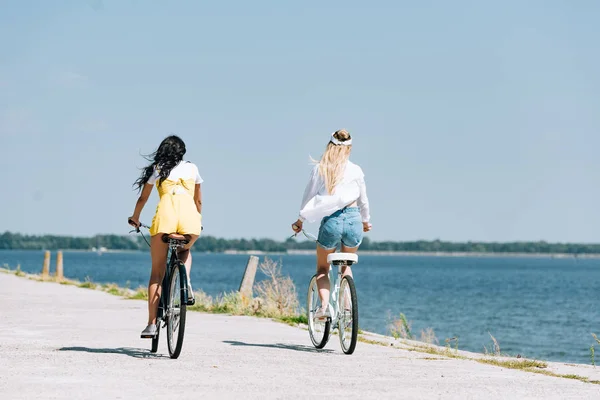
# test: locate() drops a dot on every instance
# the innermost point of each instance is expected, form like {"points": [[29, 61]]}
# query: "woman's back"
{"points": [[318, 202], [182, 178], [185, 170], [352, 174]]}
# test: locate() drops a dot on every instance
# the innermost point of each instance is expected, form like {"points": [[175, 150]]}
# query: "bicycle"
{"points": [[343, 304], [175, 298]]}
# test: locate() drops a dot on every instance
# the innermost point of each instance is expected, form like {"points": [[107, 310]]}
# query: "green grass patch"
{"points": [[88, 284], [514, 364], [140, 294], [294, 320]]}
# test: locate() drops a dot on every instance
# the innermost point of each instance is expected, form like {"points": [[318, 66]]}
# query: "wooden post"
{"points": [[248, 279], [59, 265], [46, 267]]}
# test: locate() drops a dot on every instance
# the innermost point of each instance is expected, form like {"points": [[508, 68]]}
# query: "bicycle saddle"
{"points": [[185, 239], [342, 258]]}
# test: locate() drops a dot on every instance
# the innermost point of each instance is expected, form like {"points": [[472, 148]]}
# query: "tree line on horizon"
{"points": [[16, 241]]}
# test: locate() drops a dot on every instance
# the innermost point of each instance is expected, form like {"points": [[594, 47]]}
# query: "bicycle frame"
{"points": [[173, 262], [335, 281]]}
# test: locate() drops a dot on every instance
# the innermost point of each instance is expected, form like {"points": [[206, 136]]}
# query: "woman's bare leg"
{"points": [[158, 252], [185, 255], [323, 275], [347, 270]]}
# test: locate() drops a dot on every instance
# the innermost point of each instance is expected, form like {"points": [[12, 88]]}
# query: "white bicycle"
{"points": [[343, 305]]}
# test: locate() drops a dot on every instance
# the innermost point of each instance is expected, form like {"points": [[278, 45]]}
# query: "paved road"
{"points": [[63, 342]]}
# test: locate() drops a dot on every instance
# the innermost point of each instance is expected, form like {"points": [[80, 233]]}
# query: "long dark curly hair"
{"points": [[164, 159]]}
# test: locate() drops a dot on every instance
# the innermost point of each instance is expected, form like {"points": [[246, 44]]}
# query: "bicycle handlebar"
{"points": [[137, 227], [308, 235]]}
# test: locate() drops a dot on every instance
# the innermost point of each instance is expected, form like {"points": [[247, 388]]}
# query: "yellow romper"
{"points": [[176, 211]]}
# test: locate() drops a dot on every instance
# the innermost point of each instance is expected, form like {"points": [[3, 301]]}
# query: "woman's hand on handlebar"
{"points": [[297, 226], [134, 221]]}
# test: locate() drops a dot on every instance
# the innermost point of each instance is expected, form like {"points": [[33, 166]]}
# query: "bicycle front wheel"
{"points": [[176, 310], [318, 330], [348, 322]]}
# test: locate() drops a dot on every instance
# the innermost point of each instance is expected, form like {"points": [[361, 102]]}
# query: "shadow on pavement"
{"points": [[136, 353], [306, 349]]}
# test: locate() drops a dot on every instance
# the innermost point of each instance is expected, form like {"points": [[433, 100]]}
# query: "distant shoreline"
{"points": [[211, 244], [365, 252], [433, 254]]}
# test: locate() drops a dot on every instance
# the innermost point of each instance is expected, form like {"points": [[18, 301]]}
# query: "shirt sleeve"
{"points": [[311, 190], [363, 201], [153, 178], [199, 179]]}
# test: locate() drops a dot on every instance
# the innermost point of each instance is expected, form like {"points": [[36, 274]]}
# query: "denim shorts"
{"points": [[342, 227]]}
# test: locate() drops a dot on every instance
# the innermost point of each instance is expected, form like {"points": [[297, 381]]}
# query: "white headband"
{"points": [[339, 142]]}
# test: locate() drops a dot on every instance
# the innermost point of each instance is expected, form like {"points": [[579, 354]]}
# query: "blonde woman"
{"points": [[336, 194]]}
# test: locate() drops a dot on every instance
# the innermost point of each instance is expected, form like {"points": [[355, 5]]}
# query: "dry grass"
{"points": [[277, 292], [276, 298], [428, 336], [400, 328], [593, 349], [495, 347]]}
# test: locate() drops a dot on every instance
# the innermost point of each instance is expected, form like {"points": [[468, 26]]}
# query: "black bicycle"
{"points": [[175, 297]]}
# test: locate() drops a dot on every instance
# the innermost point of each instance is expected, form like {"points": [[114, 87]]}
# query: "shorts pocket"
{"points": [[353, 232], [330, 233]]}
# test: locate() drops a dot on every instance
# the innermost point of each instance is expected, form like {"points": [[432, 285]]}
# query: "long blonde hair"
{"points": [[333, 161]]}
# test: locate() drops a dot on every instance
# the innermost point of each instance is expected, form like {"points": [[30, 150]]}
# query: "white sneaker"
{"points": [[322, 315], [191, 297]]}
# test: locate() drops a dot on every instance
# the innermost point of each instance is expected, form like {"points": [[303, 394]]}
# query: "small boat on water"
{"points": [[99, 250]]}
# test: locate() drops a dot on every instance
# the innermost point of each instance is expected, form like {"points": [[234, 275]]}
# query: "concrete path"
{"points": [[63, 342]]}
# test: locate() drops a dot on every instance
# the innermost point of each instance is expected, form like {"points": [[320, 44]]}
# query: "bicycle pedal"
{"points": [[148, 336], [191, 302]]}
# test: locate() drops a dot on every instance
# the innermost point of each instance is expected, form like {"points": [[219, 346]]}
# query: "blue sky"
{"points": [[472, 120]]}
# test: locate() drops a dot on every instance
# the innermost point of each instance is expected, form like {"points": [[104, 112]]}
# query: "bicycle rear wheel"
{"points": [[318, 330], [176, 310], [348, 321]]}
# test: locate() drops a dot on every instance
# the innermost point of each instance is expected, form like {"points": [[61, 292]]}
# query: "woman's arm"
{"points": [[141, 202], [198, 198], [363, 204], [311, 190]]}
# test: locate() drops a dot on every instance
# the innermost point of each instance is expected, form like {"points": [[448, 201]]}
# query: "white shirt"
{"points": [[317, 203], [184, 170]]}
